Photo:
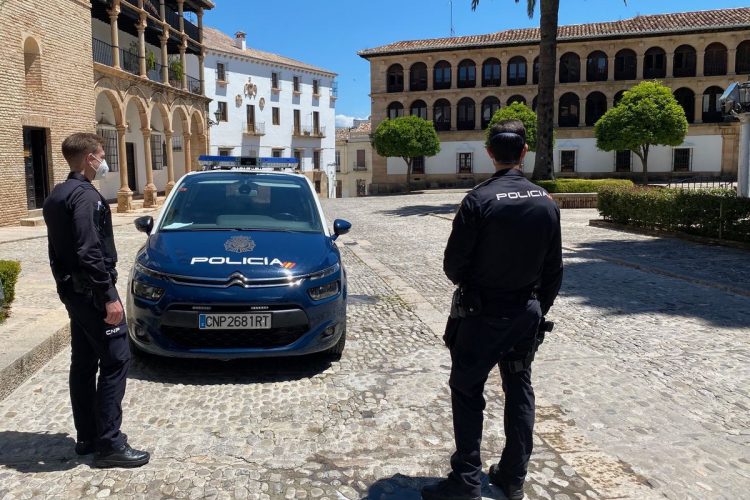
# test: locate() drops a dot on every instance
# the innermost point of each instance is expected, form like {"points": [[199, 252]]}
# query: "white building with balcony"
{"points": [[268, 105]]}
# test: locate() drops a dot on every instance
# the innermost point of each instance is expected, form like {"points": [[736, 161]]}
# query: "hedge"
{"points": [[715, 213], [9, 271], [583, 185]]}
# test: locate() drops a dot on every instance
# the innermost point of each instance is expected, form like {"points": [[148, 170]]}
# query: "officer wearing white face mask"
{"points": [[83, 258]]}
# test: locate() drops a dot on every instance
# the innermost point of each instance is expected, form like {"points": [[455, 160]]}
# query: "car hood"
{"points": [[255, 254]]}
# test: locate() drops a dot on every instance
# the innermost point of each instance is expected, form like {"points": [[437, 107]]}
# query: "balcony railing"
{"points": [[359, 166], [257, 128], [194, 85], [309, 131], [155, 73]]}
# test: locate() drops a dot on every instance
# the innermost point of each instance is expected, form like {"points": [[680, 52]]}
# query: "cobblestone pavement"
{"points": [[643, 389]]}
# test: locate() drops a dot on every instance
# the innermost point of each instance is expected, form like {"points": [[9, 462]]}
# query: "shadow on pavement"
{"points": [[30, 452], [239, 371], [400, 487], [421, 210]]}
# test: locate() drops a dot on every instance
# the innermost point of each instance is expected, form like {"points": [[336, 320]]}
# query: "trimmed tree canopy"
{"points": [[406, 137], [516, 111]]}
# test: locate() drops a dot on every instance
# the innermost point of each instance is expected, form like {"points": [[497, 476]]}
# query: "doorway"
{"points": [[35, 166], [132, 178]]}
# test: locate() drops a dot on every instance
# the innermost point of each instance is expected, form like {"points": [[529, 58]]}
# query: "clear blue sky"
{"points": [[328, 33]]}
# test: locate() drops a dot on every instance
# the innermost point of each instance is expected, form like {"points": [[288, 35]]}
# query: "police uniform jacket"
{"points": [[506, 240], [81, 239]]}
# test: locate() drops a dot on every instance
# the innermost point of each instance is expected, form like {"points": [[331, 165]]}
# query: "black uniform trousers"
{"points": [[481, 343], [97, 406]]}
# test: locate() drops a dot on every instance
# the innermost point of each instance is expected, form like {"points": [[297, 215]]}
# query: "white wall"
{"points": [[230, 134]]}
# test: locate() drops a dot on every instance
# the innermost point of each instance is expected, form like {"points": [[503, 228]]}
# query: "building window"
{"points": [[467, 74], [221, 72], [317, 187], [418, 77], [441, 114], [686, 98], [225, 151], [712, 106], [32, 60], [222, 111], [463, 163], [568, 114], [515, 98], [275, 80], [418, 108], [568, 160], [276, 116], [361, 161], [296, 84], [597, 67], [491, 73], [489, 106], [681, 159], [417, 165], [298, 157], [623, 160], [338, 160], [715, 61], [654, 63], [111, 153], [596, 106], [742, 60], [466, 114], [176, 143], [395, 78], [157, 152], [297, 122], [395, 110], [277, 152], [626, 64], [570, 68], [517, 71], [442, 75], [684, 61], [316, 87], [316, 159], [618, 96], [535, 71]]}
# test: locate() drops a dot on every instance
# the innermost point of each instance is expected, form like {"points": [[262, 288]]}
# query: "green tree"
{"points": [[406, 137], [516, 111], [647, 115]]}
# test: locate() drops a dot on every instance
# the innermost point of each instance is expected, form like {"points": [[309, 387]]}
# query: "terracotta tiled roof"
{"points": [[345, 133], [640, 25], [214, 39]]}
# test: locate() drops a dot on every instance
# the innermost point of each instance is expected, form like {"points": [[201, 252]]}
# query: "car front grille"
{"points": [[193, 338]]}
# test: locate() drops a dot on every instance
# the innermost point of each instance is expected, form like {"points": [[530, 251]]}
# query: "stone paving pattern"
{"points": [[642, 390]]}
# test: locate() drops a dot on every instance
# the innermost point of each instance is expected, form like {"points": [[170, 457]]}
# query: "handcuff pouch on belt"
{"points": [[464, 303], [520, 360]]}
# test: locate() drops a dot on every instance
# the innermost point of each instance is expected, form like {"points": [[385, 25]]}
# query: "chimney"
{"points": [[239, 40]]}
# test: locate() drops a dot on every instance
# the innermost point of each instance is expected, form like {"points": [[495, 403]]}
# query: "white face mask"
{"points": [[102, 170]]}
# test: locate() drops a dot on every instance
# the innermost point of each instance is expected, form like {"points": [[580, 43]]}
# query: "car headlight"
{"points": [[325, 272], [146, 291], [324, 291]]}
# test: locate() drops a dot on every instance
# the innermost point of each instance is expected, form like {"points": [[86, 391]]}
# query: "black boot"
{"points": [[85, 447], [125, 456], [447, 489], [514, 491]]}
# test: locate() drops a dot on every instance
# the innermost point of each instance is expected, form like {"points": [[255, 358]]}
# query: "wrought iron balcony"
{"points": [[359, 166], [256, 128]]}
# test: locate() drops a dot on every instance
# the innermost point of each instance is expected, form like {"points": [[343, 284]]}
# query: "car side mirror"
{"points": [[340, 226], [144, 224]]}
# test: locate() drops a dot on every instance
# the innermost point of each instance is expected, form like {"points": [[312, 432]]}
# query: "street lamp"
{"points": [[217, 115], [736, 102]]}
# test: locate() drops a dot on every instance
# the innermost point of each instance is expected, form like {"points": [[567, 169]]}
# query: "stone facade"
{"points": [[712, 143], [47, 86]]}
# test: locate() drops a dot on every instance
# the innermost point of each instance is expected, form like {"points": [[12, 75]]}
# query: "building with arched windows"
{"points": [[459, 82]]}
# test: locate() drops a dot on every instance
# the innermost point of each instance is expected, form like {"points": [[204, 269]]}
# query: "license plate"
{"points": [[234, 321]]}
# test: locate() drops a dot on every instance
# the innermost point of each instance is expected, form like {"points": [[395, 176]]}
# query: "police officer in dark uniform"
{"points": [[505, 254], [83, 257]]}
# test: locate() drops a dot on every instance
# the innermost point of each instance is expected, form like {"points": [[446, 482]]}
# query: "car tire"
{"points": [[135, 351], [338, 348]]}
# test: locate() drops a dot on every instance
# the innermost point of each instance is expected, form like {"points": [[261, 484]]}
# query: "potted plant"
{"points": [[175, 70], [151, 60]]}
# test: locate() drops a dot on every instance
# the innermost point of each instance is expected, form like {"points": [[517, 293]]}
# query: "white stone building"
{"points": [[269, 105]]}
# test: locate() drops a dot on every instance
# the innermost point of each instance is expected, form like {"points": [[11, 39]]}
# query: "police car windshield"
{"points": [[244, 201]]}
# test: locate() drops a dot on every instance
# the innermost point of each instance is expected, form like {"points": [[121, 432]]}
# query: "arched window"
{"points": [[489, 106], [597, 67], [515, 98], [655, 63], [626, 64], [535, 71], [466, 114], [491, 73], [596, 106], [686, 98], [395, 78], [418, 108], [32, 64], [418, 77], [517, 71], [569, 110], [441, 75], [742, 61], [618, 97], [684, 61], [570, 68], [715, 62], [711, 106], [441, 114], [467, 74], [395, 110]]}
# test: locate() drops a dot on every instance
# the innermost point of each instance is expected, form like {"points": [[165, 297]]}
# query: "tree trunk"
{"points": [[543, 164], [644, 160], [408, 174]]}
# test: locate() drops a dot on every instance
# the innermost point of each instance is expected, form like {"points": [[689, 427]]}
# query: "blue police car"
{"points": [[240, 263]]}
